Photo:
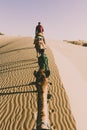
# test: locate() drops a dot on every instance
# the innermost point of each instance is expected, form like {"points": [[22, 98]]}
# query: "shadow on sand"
{"points": [[18, 65], [20, 49], [18, 92]]}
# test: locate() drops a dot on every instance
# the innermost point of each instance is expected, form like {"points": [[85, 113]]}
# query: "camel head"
{"points": [[40, 77]]}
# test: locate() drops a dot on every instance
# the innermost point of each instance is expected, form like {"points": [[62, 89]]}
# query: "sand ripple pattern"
{"points": [[18, 94]]}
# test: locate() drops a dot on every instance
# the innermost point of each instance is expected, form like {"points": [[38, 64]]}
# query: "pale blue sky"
{"points": [[61, 19]]}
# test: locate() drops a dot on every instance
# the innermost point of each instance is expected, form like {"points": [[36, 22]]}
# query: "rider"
{"points": [[39, 29], [39, 38], [39, 42], [39, 33], [43, 62]]}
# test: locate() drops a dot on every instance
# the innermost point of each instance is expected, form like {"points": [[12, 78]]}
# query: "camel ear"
{"points": [[35, 73]]}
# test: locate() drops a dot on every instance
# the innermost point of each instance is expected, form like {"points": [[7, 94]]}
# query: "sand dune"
{"points": [[18, 93], [72, 64]]}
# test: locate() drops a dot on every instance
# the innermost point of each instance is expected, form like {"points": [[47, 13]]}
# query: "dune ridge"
{"points": [[18, 93]]}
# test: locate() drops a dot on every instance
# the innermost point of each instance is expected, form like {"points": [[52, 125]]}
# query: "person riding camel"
{"points": [[39, 33], [43, 62], [39, 29], [39, 40], [39, 43]]}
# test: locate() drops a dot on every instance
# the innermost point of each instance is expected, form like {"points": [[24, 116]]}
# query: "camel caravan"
{"points": [[42, 79]]}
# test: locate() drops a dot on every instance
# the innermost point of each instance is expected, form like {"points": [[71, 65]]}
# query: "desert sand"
{"points": [[18, 93], [72, 65]]}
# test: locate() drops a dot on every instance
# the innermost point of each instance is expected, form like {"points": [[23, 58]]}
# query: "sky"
{"points": [[61, 19]]}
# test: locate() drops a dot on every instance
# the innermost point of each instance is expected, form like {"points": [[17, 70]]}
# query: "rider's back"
{"points": [[39, 29]]}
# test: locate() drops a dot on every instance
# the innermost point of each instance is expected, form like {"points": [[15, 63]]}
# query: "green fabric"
{"points": [[43, 62]]}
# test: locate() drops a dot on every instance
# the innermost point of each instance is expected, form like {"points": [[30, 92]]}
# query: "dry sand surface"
{"points": [[18, 93], [72, 64]]}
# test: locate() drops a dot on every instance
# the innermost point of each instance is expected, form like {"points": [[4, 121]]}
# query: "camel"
{"points": [[39, 42], [42, 87]]}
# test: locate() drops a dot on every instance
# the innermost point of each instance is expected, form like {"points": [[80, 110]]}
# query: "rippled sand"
{"points": [[18, 93]]}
